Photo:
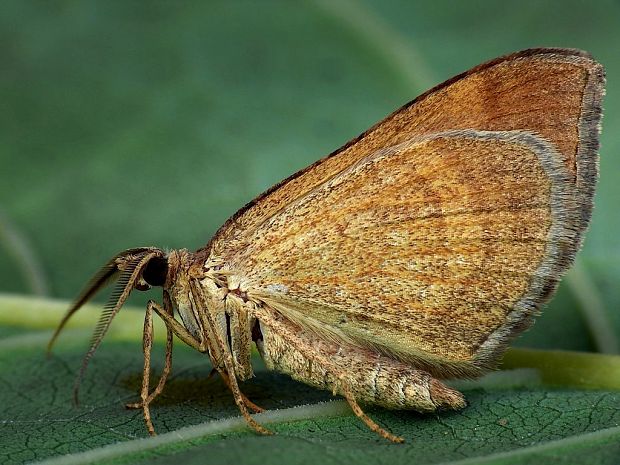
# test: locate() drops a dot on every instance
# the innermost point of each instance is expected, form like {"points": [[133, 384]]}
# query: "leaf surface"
{"points": [[510, 413]]}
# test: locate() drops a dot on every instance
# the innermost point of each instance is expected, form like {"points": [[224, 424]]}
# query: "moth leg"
{"points": [[223, 355], [240, 335], [249, 404], [168, 360], [348, 394], [238, 396], [147, 344], [356, 373], [240, 340], [178, 329], [339, 380]]}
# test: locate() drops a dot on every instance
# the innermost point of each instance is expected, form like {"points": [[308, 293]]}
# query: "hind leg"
{"points": [[168, 358], [147, 344], [355, 373]]}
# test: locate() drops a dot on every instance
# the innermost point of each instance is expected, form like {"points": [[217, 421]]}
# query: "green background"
{"points": [[135, 123]]}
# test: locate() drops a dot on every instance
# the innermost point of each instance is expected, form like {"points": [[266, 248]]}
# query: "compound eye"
{"points": [[155, 272]]}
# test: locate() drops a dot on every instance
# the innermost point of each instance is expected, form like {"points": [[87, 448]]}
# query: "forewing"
{"points": [[555, 93], [427, 240]]}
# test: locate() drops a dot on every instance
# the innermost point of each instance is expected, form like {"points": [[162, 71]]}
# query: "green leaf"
{"points": [[511, 417]]}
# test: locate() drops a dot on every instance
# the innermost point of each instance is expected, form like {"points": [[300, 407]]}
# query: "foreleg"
{"points": [[168, 360], [147, 344], [219, 350]]}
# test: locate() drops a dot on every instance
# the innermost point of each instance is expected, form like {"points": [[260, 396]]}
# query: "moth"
{"points": [[413, 254]]}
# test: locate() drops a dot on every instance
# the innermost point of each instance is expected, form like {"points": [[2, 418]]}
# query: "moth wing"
{"points": [[437, 233]]}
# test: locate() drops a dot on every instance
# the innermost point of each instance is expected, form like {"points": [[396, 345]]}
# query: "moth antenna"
{"points": [[107, 274], [126, 282]]}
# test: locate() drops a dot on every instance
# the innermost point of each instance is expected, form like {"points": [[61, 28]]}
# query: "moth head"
{"points": [[139, 268]]}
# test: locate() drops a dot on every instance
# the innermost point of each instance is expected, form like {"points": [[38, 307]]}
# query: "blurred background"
{"points": [[149, 123]]}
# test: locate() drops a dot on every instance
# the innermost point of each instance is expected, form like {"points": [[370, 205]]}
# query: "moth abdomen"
{"points": [[371, 377]]}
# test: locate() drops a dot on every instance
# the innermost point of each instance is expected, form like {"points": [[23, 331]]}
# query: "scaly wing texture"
{"points": [[422, 250], [430, 245]]}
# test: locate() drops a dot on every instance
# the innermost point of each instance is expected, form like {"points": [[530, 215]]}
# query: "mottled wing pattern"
{"points": [[436, 234], [422, 249]]}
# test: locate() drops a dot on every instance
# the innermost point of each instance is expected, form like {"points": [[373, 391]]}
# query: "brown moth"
{"points": [[412, 254]]}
